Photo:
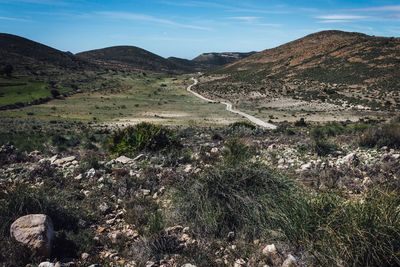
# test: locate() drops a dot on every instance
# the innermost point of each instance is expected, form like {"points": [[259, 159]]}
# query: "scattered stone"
{"points": [[290, 261], [103, 207], [90, 173], [85, 256], [239, 263], [46, 264], [123, 160], [36, 231], [272, 255], [188, 265], [63, 161]]}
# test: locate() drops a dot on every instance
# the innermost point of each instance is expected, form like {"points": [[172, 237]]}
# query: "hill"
{"points": [[220, 59], [132, 58], [30, 57], [327, 66]]}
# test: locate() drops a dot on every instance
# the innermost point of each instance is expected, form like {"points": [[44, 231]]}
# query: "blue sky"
{"points": [[187, 28]]}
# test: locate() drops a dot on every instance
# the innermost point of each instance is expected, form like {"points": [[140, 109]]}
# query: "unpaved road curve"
{"points": [[230, 108]]}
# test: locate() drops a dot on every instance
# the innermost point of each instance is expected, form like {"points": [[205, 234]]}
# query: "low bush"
{"points": [[145, 214], [379, 136], [360, 232], [22, 200], [144, 136], [323, 147], [240, 198]]}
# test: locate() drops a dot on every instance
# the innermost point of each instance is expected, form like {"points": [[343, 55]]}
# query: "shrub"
{"points": [[361, 232], [144, 213], [242, 124], [236, 151], [144, 136], [324, 147], [22, 200], [240, 198], [301, 123], [385, 135]]}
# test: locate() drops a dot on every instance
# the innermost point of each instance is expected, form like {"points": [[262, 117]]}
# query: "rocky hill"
{"points": [[132, 58], [30, 57], [220, 59], [328, 64]]}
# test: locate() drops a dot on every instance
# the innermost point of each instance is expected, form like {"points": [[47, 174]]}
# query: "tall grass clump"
{"points": [[144, 136], [236, 195], [361, 232], [379, 136]]}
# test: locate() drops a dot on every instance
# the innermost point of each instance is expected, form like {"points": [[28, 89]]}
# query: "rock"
{"points": [[123, 160], [46, 264], [231, 236], [63, 161], [351, 158], [78, 177], [103, 207], [290, 261], [214, 150], [272, 254], [306, 167], [239, 263], [91, 173], [35, 231], [95, 265], [85, 256], [53, 158], [150, 264], [139, 157], [188, 265]]}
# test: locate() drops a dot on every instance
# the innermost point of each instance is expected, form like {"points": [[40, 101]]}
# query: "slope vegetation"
{"points": [[329, 65]]}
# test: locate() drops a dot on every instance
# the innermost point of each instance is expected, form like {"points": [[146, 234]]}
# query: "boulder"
{"points": [[36, 231]]}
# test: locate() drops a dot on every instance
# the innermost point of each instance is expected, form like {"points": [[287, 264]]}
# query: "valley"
{"points": [[288, 157]]}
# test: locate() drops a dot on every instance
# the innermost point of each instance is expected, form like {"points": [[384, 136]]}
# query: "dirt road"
{"points": [[230, 108]]}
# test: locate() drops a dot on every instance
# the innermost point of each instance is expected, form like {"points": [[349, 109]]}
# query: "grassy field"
{"points": [[22, 91], [153, 98]]}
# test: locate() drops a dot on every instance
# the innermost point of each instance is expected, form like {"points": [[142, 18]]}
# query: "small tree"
{"points": [[55, 93], [7, 70]]}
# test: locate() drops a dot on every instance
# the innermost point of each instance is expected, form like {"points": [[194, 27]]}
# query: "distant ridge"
{"points": [[133, 58], [28, 56]]}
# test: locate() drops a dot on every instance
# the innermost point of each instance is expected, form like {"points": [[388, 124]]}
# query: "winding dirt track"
{"points": [[230, 108]]}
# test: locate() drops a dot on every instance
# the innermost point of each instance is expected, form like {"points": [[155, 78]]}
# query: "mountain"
{"points": [[132, 58], [220, 59], [328, 64], [27, 56]]}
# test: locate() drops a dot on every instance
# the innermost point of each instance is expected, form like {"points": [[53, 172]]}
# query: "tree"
{"points": [[55, 93], [7, 70]]}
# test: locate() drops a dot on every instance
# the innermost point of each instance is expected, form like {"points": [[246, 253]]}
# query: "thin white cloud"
{"points": [[248, 19], [394, 8], [341, 17], [13, 19], [149, 19]]}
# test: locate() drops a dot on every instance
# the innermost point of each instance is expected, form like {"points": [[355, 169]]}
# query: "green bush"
{"points": [[241, 198], [242, 124], [23, 200], [360, 232], [144, 136], [385, 135], [236, 151], [145, 214], [324, 147]]}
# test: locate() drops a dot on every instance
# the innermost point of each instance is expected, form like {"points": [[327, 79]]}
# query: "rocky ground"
{"points": [[102, 209]]}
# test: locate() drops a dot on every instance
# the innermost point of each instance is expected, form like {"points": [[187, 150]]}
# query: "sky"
{"points": [[187, 28]]}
